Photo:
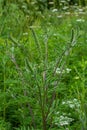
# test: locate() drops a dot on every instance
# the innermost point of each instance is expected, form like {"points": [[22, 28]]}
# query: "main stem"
{"points": [[44, 121]]}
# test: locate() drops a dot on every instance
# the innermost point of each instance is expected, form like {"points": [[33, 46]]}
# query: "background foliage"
{"points": [[43, 62]]}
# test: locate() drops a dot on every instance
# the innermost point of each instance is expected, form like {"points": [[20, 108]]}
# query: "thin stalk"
{"points": [[45, 87], [63, 57], [66, 52], [42, 97], [4, 111], [37, 43], [13, 59]]}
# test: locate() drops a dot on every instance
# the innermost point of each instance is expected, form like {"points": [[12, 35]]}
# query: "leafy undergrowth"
{"points": [[43, 71]]}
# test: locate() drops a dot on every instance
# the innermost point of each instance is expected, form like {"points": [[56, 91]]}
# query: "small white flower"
{"points": [[54, 10], [80, 10], [62, 123], [65, 8], [58, 71], [64, 120], [63, 1], [67, 13], [68, 70], [57, 113], [26, 33], [23, 6], [63, 103], [54, 34], [80, 20], [71, 105], [51, 3], [67, 128], [75, 100], [59, 16]]}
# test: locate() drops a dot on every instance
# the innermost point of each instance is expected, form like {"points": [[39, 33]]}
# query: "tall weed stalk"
{"points": [[43, 76]]}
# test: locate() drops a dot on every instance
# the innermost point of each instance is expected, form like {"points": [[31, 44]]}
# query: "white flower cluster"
{"points": [[72, 103], [80, 20], [63, 120], [59, 16], [59, 71], [54, 10]]}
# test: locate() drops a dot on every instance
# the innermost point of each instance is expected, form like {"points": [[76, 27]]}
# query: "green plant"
{"points": [[24, 128], [45, 78], [41, 69], [81, 92]]}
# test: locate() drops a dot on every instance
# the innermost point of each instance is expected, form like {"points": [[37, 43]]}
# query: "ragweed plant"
{"points": [[39, 79]]}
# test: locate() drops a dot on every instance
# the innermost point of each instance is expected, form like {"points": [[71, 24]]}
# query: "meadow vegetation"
{"points": [[43, 65]]}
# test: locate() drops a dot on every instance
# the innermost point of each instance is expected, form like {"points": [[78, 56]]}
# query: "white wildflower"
{"points": [[67, 13], [68, 70], [59, 71], [80, 10], [54, 34], [64, 120], [51, 3], [57, 113], [63, 1], [59, 16], [25, 34], [54, 10], [75, 100], [67, 128], [80, 20], [71, 105], [65, 7], [63, 102], [62, 123]]}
